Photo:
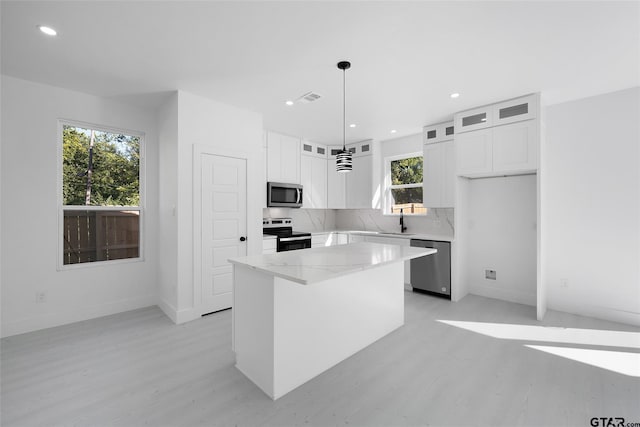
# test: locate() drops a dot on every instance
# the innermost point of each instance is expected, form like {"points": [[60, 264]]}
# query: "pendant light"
{"points": [[344, 159]]}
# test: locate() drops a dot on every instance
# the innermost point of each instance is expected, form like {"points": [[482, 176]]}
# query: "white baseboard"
{"points": [[503, 294], [79, 314], [602, 313], [178, 316], [169, 310]]}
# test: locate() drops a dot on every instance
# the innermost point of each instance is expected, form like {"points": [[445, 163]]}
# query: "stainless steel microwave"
{"points": [[283, 195]]}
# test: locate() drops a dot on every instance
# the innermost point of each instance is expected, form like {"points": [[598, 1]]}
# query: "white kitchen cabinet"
{"points": [[515, 110], [353, 189], [283, 158], [439, 175], [506, 144], [320, 240], [474, 152], [355, 238], [515, 148], [478, 118], [313, 175], [503, 150], [329, 239], [339, 239], [359, 182], [269, 245], [394, 241], [335, 181], [438, 132]]}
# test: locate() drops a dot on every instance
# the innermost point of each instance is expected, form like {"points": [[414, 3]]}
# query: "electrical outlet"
{"points": [[564, 283], [41, 296], [490, 274]]}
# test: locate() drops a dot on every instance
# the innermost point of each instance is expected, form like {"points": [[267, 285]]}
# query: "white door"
{"points": [[224, 226]]}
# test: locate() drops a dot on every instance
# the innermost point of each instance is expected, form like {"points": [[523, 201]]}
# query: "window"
{"points": [[101, 193], [404, 184]]}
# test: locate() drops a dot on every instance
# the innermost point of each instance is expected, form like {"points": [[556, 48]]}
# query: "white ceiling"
{"points": [[407, 56]]}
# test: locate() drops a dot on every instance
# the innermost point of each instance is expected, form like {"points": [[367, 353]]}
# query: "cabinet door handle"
{"points": [[242, 238]]}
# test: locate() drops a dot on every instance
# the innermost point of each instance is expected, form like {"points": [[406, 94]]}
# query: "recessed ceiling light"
{"points": [[455, 95], [289, 103], [47, 30], [352, 125], [393, 131]]}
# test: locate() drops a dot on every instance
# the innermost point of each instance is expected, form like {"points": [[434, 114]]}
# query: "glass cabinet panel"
{"points": [[514, 110], [474, 119]]}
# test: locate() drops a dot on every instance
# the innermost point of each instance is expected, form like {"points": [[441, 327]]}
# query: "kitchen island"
{"points": [[298, 313]]}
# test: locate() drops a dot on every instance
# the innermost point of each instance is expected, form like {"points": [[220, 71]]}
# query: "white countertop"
{"points": [[268, 237], [318, 264], [419, 236]]}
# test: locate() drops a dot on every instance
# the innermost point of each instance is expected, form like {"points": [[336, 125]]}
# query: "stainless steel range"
{"points": [[288, 240]]}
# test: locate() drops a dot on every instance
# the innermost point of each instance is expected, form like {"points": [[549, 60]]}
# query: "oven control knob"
{"points": [[242, 239]]}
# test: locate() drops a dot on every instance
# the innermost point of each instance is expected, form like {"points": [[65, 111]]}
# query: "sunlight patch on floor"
{"points": [[616, 361], [626, 363], [551, 334]]}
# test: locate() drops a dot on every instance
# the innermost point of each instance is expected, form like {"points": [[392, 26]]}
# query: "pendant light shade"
{"points": [[344, 158]]}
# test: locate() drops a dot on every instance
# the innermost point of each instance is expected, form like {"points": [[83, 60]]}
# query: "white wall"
{"points": [[206, 122], [30, 239], [501, 235], [167, 206], [591, 206]]}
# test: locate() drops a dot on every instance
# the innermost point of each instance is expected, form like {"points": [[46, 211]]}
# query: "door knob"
{"points": [[242, 239]]}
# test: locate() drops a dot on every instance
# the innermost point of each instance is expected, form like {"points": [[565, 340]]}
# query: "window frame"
{"points": [[387, 186], [61, 266]]}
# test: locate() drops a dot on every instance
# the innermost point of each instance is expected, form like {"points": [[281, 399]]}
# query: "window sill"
{"points": [[96, 264]]}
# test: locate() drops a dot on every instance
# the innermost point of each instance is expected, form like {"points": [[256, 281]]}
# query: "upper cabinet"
{"points": [[478, 118], [507, 146], [336, 181], [359, 182], [515, 110], [438, 133], [313, 174], [283, 158], [439, 166]]}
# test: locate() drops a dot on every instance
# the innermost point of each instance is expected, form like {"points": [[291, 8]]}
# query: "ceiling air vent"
{"points": [[309, 97]]}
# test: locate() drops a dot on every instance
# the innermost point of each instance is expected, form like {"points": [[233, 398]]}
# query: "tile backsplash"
{"points": [[305, 219], [437, 221]]}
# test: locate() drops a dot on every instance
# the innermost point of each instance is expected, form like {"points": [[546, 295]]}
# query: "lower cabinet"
{"points": [[394, 241], [329, 239], [269, 246]]}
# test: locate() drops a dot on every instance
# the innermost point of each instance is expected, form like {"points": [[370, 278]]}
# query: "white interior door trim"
{"points": [[251, 161]]}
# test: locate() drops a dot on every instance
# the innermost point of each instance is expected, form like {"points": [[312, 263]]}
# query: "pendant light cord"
{"points": [[344, 111]]}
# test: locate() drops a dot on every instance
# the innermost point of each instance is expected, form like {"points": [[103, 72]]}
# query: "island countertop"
{"points": [[309, 266]]}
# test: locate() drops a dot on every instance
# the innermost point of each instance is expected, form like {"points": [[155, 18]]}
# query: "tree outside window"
{"points": [[100, 195], [405, 188]]}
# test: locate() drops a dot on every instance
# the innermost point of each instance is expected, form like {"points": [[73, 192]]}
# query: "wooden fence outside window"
{"points": [[100, 235]]}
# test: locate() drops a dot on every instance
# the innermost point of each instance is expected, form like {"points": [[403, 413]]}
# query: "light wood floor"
{"points": [[137, 368]]}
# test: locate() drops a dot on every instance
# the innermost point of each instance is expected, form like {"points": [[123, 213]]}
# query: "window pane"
{"points": [[407, 171], [407, 199], [100, 168], [90, 236]]}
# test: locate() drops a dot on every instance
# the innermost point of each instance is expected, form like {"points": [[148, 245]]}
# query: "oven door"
{"points": [[293, 243], [284, 195]]}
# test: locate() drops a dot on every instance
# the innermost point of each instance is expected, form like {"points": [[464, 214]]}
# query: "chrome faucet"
{"points": [[402, 227]]}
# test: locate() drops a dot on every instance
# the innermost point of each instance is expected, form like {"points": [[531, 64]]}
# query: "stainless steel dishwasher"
{"points": [[432, 273]]}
